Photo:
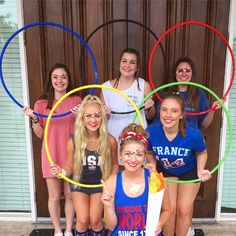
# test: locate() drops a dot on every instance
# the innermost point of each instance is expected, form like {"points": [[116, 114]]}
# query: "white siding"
{"points": [[229, 181], [14, 178]]}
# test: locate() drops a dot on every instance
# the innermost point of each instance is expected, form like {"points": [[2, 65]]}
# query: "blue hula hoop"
{"points": [[38, 24]]}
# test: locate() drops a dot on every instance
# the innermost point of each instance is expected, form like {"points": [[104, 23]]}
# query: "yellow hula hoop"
{"points": [[57, 104]]}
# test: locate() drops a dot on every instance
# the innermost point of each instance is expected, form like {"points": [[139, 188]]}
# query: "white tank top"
{"points": [[114, 101]]}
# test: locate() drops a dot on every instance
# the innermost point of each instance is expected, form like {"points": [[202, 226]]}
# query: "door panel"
{"points": [[47, 45]]}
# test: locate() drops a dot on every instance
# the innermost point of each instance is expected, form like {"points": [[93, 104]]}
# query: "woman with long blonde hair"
{"points": [[91, 156]]}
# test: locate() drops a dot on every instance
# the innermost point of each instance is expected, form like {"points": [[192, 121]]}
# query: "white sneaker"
{"points": [[67, 233], [191, 232], [58, 234]]}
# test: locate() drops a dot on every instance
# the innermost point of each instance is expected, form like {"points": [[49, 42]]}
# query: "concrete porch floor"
{"points": [[224, 228]]}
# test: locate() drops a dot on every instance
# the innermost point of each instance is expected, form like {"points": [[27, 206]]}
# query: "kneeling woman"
{"points": [[125, 195], [91, 156], [181, 154]]}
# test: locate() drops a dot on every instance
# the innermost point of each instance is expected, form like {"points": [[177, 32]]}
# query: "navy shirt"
{"points": [[195, 120]]}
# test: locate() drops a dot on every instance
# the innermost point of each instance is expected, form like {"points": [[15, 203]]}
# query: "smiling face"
{"points": [[92, 117], [132, 156], [183, 72], [60, 80], [171, 113], [128, 65]]}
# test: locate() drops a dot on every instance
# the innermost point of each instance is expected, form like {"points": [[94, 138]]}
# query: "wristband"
{"points": [[35, 120], [148, 110], [63, 171]]}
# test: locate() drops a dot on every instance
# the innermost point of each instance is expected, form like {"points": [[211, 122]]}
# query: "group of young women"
{"points": [[96, 139]]}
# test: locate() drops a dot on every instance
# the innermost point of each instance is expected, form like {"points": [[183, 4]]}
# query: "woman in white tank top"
{"points": [[134, 87]]}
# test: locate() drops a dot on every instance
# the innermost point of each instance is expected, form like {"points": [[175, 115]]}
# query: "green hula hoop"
{"points": [[57, 104], [226, 113]]}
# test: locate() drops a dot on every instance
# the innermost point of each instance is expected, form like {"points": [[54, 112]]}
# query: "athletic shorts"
{"points": [[74, 188], [189, 175]]}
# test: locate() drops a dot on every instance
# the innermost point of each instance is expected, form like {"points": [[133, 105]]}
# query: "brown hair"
{"points": [[48, 91], [138, 129], [136, 53], [193, 97]]}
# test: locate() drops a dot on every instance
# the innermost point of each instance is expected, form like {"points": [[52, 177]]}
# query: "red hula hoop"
{"points": [[206, 26]]}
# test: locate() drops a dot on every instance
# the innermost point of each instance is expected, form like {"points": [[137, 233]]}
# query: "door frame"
{"points": [[26, 101], [232, 22], [31, 163]]}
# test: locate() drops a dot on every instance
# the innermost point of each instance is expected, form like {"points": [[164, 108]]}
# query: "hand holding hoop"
{"points": [[57, 104], [206, 26], [55, 25], [226, 113]]}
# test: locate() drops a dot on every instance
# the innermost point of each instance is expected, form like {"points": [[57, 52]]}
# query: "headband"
{"points": [[134, 135]]}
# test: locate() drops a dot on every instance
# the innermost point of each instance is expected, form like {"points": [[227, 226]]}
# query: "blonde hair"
{"points": [[81, 139], [138, 129]]}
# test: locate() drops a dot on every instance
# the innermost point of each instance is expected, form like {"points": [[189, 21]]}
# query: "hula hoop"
{"points": [[127, 21], [125, 112], [226, 113], [38, 24], [57, 104], [206, 26]]}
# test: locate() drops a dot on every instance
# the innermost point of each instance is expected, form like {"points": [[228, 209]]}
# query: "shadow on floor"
{"points": [[42, 232], [50, 232]]}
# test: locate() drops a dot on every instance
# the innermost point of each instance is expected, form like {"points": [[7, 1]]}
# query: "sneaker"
{"points": [[191, 232], [67, 233], [58, 234]]}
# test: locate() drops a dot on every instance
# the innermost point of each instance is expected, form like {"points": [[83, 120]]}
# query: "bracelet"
{"points": [[35, 120], [63, 171], [148, 110]]}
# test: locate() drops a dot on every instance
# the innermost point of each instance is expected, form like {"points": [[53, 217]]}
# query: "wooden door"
{"points": [[46, 45]]}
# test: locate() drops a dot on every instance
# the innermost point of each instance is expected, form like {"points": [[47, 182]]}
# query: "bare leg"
{"points": [[191, 221], [69, 209], [96, 209], [186, 196], [81, 206], [169, 227], [54, 192]]}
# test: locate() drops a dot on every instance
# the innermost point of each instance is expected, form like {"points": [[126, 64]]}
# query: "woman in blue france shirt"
{"points": [[181, 153]]}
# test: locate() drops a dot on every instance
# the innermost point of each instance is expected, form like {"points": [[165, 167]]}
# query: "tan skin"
{"points": [[133, 183], [128, 68], [88, 207], [60, 82], [184, 74], [181, 195]]}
